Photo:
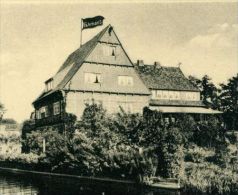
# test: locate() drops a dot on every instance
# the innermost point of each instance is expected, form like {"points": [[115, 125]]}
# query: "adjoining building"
{"points": [[100, 71], [171, 92]]}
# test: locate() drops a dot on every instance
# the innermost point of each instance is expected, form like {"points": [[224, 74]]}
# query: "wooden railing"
{"points": [[50, 120]]}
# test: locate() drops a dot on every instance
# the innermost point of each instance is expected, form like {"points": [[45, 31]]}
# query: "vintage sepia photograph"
{"points": [[118, 97]]}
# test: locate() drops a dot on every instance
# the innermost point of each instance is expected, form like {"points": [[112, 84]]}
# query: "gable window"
{"points": [[109, 50], [113, 50], [125, 81], [56, 108], [92, 77]]}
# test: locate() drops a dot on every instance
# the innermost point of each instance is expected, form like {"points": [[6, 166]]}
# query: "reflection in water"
{"points": [[13, 186], [17, 184]]}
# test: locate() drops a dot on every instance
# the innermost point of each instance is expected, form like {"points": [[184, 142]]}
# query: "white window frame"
{"points": [[43, 110], [38, 116], [90, 77], [175, 95], [154, 94], [56, 108], [49, 85], [108, 50], [91, 101], [124, 80]]}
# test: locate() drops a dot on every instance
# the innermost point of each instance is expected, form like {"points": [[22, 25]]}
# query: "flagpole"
{"points": [[81, 35]]}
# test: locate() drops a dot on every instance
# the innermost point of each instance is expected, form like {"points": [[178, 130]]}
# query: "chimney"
{"points": [[157, 64], [140, 63]]}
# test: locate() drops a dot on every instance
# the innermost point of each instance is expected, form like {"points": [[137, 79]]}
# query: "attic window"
{"points": [[49, 84], [109, 50], [92, 77]]}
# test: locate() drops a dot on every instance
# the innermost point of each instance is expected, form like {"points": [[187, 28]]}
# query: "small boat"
{"points": [[161, 183]]}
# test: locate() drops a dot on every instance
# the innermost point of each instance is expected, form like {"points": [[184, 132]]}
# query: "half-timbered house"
{"points": [[100, 71]]}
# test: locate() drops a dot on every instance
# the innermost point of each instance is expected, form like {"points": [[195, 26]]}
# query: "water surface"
{"points": [[21, 184]]}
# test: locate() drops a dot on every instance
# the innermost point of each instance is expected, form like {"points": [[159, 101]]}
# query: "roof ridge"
{"points": [[77, 57], [79, 61], [162, 66], [94, 40]]}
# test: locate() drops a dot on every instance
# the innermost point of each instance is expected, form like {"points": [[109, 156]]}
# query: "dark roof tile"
{"points": [[167, 78]]}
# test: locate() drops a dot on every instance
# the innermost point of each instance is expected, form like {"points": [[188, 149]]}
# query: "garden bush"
{"points": [[209, 178], [197, 154]]}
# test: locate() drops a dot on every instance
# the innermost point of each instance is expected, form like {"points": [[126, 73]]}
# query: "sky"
{"points": [[36, 37]]}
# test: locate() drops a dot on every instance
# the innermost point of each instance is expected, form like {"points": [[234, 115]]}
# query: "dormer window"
{"points": [[49, 84]]}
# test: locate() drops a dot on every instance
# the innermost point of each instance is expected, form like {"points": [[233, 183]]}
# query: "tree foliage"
{"points": [[129, 145], [229, 102], [1, 111], [209, 92], [224, 97]]}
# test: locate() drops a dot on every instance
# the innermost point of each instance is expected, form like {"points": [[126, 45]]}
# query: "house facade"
{"points": [[99, 71], [171, 92]]}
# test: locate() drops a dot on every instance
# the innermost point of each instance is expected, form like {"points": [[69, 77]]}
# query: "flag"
{"points": [[92, 22]]}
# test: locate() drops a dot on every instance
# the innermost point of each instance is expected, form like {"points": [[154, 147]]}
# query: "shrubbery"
{"points": [[23, 161], [135, 146], [210, 178], [198, 154]]}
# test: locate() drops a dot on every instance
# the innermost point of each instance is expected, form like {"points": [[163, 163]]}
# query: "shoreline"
{"points": [[163, 185]]}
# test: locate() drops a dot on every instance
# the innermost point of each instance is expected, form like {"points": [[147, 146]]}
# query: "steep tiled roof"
{"points": [[75, 60], [161, 77]]}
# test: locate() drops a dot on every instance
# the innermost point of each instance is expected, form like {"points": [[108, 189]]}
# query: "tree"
{"points": [[209, 92], [229, 102], [127, 124], [188, 126], [2, 110], [208, 132], [165, 140]]}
